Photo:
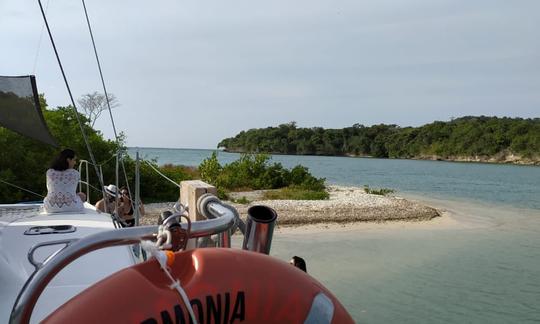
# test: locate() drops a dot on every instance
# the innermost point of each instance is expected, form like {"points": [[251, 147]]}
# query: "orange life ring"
{"points": [[223, 285]]}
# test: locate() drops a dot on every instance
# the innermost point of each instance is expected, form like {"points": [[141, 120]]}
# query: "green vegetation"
{"points": [[254, 172], [153, 187], [381, 191], [294, 193], [23, 161], [242, 200], [461, 138]]}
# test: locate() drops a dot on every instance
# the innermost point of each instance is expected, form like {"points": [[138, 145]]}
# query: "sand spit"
{"points": [[346, 205]]}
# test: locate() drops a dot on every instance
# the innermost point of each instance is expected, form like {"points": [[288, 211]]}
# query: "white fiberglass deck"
{"points": [[15, 267]]}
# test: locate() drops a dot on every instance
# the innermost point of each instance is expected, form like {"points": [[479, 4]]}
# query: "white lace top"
{"points": [[62, 191]]}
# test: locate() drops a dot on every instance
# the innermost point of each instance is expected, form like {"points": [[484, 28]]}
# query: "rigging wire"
{"points": [[39, 42], [161, 174], [21, 188], [105, 161], [105, 91], [91, 186], [40, 195], [100, 71], [71, 95]]}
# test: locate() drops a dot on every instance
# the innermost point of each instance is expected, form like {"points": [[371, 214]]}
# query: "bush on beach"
{"points": [[242, 200], [294, 193], [254, 172], [381, 191]]}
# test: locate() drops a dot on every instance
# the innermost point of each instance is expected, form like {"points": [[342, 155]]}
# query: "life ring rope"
{"points": [[166, 259]]}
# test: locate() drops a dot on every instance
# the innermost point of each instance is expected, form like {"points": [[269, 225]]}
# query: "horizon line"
{"points": [[175, 148]]}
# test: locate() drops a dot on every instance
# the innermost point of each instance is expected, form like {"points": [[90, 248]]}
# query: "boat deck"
{"points": [[16, 239]]}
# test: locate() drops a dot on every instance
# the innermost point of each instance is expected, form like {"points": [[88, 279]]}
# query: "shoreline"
{"points": [[451, 214], [346, 206], [506, 160], [444, 221]]}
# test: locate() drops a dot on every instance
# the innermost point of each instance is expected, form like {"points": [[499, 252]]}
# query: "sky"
{"points": [[188, 74]]}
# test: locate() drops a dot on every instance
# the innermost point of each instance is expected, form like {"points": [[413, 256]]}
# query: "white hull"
{"points": [[15, 267]]}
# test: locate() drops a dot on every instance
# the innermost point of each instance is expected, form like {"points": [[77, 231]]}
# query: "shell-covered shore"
{"points": [[345, 205]]}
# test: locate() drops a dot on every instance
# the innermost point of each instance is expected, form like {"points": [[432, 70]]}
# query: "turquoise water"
{"points": [[486, 269], [484, 275], [512, 185]]}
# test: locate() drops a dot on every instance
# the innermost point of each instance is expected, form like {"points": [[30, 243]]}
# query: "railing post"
{"points": [[190, 191], [117, 200], [136, 208], [85, 163]]}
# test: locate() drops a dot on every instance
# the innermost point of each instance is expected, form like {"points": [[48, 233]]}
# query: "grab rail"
{"points": [[34, 286], [33, 249], [81, 163]]}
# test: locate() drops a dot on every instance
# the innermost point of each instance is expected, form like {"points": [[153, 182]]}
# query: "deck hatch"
{"points": [[51, 229]]}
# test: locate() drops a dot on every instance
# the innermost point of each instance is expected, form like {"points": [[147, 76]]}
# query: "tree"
{"points": [[95, 103], [26, 160], [461, 137]]}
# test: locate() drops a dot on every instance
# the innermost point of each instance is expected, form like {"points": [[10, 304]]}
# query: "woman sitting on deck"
{"points": [[62, 180]]}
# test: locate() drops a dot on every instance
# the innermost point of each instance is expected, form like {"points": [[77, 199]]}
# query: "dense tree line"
{"points": [[23, 161], [459, 138]]}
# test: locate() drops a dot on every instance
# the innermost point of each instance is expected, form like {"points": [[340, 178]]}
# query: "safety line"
{"points": [[164, 176], [70, 94], [105, 92], [30, 191], [39, 42]]}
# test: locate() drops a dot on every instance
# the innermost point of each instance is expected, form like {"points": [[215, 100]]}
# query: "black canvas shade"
{"points": [[20, 110]]}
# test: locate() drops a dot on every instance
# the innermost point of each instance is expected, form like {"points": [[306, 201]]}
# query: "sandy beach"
{"points": [[346, 209]]}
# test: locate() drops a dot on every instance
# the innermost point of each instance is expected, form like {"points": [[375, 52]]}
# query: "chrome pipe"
{"points": [[34, 286], [211, 207], [224, 220], [260, 225], [217, 210], [225, 239]]}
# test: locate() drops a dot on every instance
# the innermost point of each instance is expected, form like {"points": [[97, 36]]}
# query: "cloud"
{"points": [[180, 67]]}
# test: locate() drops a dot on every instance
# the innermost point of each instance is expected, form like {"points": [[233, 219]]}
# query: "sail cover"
{"points": [[20, 110]]}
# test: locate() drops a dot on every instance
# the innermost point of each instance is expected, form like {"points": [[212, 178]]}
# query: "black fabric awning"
{"points": [[20, 110]]}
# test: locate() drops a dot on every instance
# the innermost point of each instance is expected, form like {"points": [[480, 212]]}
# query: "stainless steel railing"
{"points": [[222, 220], [37, 282]]}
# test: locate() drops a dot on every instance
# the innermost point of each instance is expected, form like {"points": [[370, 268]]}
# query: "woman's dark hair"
{"points": [[60, 163], [299, 263]]}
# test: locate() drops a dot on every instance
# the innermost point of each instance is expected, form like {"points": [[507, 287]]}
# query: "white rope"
{"points": [[161, 257], [161, 174]]}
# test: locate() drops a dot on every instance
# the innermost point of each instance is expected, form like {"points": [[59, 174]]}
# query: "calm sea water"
{"points": [[512, 185], [486, 273]]}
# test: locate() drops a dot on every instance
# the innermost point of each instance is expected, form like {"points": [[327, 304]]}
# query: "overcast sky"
{"points": [[190, 73]]}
